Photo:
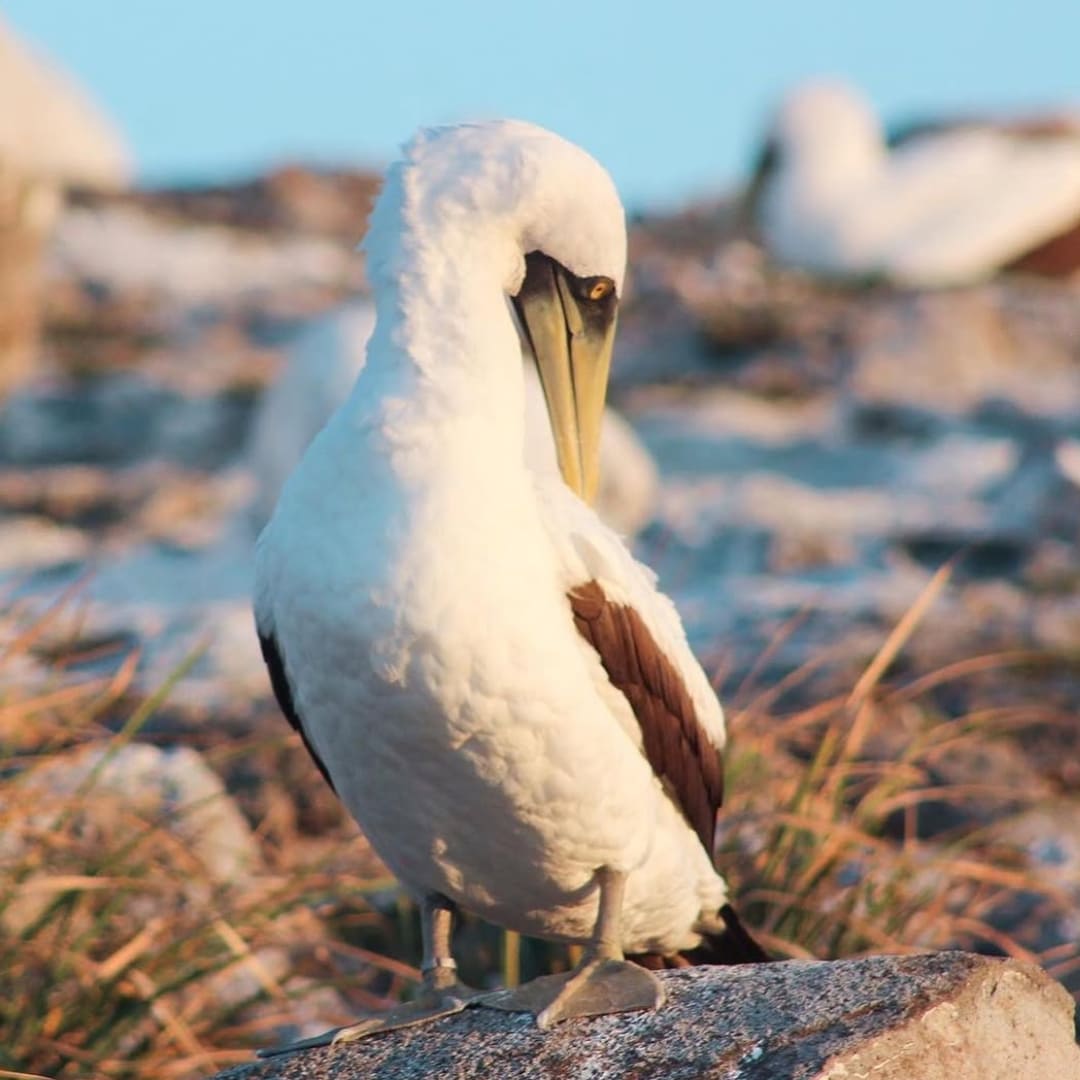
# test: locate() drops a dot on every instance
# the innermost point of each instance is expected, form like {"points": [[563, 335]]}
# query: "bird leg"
{"points": [[603, 982], [441, 994]]}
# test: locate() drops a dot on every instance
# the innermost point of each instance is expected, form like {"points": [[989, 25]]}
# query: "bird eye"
{"points": [[600, 289]]}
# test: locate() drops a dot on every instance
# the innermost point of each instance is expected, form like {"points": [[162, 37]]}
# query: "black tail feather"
{"points": [[733, 945]]}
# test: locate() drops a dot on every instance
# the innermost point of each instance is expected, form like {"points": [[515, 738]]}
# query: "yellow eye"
{"points": [[600, 289]]}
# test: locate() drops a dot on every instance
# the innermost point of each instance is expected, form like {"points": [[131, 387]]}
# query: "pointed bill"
{"points": [[570, 324]]}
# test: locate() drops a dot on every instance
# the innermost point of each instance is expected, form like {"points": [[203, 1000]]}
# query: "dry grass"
{"points": [[832, 853], [122, 956]]}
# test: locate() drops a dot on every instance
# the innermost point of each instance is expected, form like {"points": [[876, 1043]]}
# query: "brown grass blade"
{"points": [[900, 635]]}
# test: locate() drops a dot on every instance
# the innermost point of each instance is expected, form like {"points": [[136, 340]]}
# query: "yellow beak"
{"points": [[572, 338]]}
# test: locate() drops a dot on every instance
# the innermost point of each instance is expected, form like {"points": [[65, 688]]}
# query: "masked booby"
{"points": [[945, 206], [493, 686], [319, 373]]}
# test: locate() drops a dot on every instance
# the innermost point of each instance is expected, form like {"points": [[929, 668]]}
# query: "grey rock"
{"points": [[946, 1015]]}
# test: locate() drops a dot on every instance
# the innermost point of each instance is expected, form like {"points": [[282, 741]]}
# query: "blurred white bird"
{"points": [[51, 138], [49, 128], [948, 205], [319, 373]]}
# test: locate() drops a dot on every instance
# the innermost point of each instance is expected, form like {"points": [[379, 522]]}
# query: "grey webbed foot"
{"points": [[604, 982], [441, 995], [598, 987], [431, 1004]]}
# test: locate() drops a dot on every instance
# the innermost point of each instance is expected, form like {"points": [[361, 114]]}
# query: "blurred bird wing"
{"points": [[974, 200]]}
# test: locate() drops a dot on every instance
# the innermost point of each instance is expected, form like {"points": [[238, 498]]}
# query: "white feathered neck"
{"points": [[446, 246]]}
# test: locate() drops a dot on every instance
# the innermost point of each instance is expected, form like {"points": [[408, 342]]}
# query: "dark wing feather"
{"points": [[275, 664], [732, 945], [1059, 256], [678, 748]]}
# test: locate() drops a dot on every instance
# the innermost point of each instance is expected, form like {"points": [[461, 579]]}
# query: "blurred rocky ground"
{"points": [[822, 451], [825, 450]]}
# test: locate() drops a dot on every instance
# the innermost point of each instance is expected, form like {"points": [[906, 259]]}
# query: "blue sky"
{"points": [[668, 95]]}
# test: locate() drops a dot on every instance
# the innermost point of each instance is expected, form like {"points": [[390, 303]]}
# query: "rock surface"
{"points": [[947, 1015]]}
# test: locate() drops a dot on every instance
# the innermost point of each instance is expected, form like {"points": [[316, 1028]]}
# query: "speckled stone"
{"points": [[947, 1016]]}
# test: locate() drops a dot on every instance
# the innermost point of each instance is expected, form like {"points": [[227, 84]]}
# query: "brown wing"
{"points": [[1057, 257], [677, 746]]}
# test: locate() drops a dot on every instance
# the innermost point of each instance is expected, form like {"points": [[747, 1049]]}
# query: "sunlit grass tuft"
{"points": [[845, 841], [122, 954]]}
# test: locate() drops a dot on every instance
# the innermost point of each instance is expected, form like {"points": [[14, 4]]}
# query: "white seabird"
{"points": [[319, 373], [51, 131], [946, 207], [493, 686]]}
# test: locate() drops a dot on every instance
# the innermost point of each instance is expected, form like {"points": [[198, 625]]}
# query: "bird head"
{"points": [[826, 120], [539, 215]]}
